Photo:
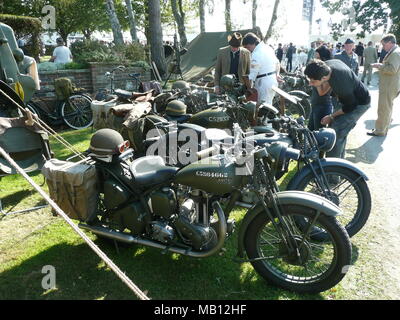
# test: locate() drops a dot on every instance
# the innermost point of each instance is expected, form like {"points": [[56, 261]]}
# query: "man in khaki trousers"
{"points": [[370, 57], [232, 59], [389, 85]]}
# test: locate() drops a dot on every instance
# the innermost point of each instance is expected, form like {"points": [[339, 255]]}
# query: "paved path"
{"points": [[379, 158]]}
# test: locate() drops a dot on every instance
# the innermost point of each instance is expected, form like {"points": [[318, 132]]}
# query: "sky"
{"points": [[290, 25]]}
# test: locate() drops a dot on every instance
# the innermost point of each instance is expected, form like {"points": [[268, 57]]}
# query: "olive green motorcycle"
{"points": [[187, 211]]}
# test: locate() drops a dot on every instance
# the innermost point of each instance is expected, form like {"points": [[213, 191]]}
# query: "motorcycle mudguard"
{"points": [[326, 162], [300, 198], [299, 92]]}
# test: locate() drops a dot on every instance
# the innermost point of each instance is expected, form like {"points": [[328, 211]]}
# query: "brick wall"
{"points": [[91, 79]]}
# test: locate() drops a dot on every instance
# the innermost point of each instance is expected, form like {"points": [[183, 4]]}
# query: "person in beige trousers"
{"points": [[370, 57], [389, 85], [232, 59]]}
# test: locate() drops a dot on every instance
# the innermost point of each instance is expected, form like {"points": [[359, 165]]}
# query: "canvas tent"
{"points": [[202, 52]]}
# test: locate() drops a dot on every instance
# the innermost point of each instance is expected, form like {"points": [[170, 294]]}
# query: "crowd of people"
{"points": [[293, 58], [339, 95]]}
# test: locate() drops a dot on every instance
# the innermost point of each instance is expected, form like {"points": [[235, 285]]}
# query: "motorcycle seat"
{"points": [[270, 132], [151, 170]]}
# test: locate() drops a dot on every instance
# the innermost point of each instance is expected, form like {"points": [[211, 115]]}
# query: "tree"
{"points": [[370, 15], [115, 25], [228, 19], [202, 15], [273, 20], [132, 20], [179, 15], [156, 37], [254, 14]]}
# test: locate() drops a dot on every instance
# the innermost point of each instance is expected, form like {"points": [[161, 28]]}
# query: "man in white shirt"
{"points": [[61, 54], [264, 68]]}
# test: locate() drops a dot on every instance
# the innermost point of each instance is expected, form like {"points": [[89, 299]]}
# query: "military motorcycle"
{"points": [[179, 210], [335, 179]]}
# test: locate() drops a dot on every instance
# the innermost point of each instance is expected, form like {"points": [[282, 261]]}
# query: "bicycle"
{"points": [[75, 111], [110, 75]]}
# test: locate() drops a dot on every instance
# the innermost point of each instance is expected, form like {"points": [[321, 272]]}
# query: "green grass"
{"points": [[32, 240]]}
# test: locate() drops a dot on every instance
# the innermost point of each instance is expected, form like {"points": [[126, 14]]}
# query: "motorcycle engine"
{"points": [[182, 214], [200, 236]]}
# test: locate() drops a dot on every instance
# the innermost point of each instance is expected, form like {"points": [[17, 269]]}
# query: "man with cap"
{"points": [[61, 54], [232, 59], [264, 69], [348, 56], [389, 85]]}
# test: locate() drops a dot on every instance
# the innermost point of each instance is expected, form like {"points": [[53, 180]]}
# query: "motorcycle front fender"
{"points": [[326, 162], [299, 92], [293, 198]]}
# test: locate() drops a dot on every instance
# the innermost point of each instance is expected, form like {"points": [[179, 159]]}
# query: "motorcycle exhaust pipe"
{"points": [[127, 238], [107, 233]]}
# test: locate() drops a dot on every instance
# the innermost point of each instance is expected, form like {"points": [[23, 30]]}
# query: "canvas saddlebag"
{"points": [[73, 187]]}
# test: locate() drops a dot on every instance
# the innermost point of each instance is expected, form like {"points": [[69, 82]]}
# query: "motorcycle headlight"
{"points": [[280, 154], [326, 138]]}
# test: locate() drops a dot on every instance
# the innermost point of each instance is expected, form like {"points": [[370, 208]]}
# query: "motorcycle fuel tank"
{"points": [[212, 175], [215, 117]]}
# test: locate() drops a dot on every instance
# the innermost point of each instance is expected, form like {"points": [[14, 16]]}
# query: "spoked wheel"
{"points": [[347, 190], [32, 107], [76, 112], [302, 108], [314, 267]]}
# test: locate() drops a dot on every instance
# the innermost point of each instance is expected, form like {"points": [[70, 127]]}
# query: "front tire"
{"points": [[320, 265], [349, 191], [77, 112]]}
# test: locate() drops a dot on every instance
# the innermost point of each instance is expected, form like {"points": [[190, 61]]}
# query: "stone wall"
{"points": [[92, 79]]}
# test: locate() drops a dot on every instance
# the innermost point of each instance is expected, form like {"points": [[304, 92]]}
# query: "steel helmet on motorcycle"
{"points": [[227, 82], [326, 138], [208, 78], [106, 142], [181, 85], [175, 108]]}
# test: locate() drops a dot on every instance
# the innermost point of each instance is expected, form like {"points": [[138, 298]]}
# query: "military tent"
{"points": [[202, 52]]}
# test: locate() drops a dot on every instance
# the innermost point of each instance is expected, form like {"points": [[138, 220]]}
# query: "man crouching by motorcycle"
{"points": [[353, 96]]}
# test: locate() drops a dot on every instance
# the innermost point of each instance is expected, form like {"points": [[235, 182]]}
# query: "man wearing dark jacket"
{"points": [[352, 94], [348, 56]]}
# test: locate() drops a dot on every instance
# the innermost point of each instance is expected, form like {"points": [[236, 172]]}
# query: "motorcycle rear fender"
{"points": [[299, 92], [326, 162], [299, 198]]}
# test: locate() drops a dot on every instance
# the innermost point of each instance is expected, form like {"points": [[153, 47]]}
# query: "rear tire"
{"points": [[323, 264], [77, 112]]}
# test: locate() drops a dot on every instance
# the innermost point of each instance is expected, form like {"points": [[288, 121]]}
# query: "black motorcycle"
{"points": [[146, 202], [335, 179]]}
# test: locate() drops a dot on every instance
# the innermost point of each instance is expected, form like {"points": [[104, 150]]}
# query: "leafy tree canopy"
{"points": [[369, 15]]}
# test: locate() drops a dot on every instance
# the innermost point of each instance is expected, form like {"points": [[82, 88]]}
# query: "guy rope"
{"points": [[141, 295]]}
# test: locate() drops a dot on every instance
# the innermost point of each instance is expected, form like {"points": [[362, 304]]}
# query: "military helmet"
{"points": [[175, 108], [227, 81], [180, 84], [106, 142], [208, 78]]}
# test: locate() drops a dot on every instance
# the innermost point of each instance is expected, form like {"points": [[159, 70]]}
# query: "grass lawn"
{"points": [[30, 241]]}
